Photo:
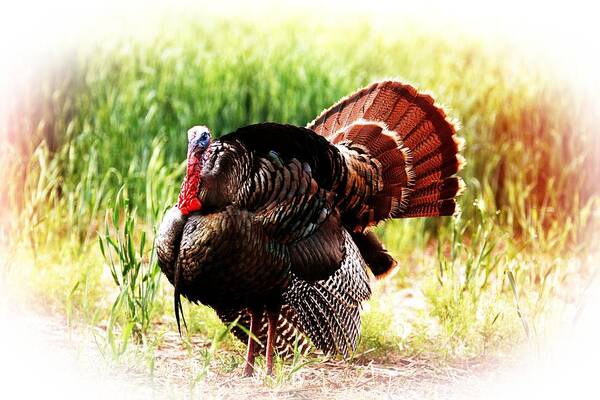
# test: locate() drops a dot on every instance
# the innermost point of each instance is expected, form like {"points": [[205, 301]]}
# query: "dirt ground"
{"points": [[66, 363], [41, 357]]}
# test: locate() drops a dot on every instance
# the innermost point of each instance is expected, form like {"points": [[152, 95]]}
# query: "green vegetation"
{"points": [[99, 156]]}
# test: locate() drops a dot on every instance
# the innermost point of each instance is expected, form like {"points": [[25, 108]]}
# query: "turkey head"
{"points": [[198, 142]]}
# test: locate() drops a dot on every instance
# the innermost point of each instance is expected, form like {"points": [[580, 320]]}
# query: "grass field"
{"points": [[94, 153]]}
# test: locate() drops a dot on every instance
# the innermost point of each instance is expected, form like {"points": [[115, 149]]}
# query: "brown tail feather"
{"points": [[439, 190], [438, 208], [413, 142]]}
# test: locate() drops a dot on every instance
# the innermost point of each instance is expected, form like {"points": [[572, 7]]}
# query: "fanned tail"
{"points": [[413, 141], [401, 155]]}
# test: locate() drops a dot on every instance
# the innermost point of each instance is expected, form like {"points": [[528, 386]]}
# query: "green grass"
{"points": [[103, 134]]}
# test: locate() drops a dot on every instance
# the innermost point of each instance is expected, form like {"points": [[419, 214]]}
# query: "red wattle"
{"points": [[188, 196], [187, 207]]}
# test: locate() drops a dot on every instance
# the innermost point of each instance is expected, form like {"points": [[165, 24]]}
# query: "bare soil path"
{"points": [[43, 358]]}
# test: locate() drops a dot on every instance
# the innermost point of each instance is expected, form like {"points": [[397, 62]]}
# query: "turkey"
{"points": [[271, 227]]}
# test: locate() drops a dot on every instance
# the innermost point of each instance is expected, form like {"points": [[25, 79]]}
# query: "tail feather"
{"points": [[431, 143], [423, 137], [443, 172], [411, 118], [441, 207], [413, 141], [439, 190]]}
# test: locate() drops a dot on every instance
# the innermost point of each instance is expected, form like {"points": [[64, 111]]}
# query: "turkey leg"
{"points": [[254, 321], [271, 335]]}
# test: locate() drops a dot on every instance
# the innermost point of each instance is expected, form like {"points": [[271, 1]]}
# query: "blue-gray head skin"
{"points": [[198, 141]]}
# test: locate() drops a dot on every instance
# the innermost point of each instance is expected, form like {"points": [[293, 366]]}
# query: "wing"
{"points": [[287, 180], [325, 311], [168, 238]]}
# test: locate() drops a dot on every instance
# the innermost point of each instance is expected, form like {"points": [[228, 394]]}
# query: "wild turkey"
{"points": [[271, 225]]}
